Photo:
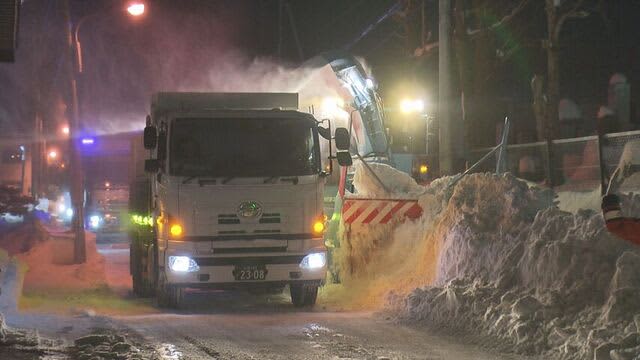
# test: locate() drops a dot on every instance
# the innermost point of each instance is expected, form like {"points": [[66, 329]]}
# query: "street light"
{"points": [[136, 9], [53, 154], [74, 46], [65, 130], [414, 109]]}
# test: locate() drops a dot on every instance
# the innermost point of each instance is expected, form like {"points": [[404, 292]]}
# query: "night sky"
{"points": [[185, 45]]}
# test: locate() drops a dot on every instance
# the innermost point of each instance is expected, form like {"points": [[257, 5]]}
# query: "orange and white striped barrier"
{"points": [[379, 211]]}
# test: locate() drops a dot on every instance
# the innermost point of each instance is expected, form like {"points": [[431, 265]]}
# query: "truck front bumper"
{"points": [[222, 272]]}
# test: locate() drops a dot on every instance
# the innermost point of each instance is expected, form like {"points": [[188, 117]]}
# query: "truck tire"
{"points": [[169, 296], [303, 295], [142, 268]]}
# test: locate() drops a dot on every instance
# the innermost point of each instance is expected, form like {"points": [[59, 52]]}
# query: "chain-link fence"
{"points": [[572, 164], [526, 161], [576, 164]]}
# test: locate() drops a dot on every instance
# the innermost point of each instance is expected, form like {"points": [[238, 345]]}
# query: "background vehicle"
{"points": [[235, 197], [107, 208]]}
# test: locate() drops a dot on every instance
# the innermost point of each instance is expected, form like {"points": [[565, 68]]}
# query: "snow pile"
{"points": [[24, 344], [44, 274], [574, 201], [18, 343], [397, 183], [513, 267], [43, 250]]}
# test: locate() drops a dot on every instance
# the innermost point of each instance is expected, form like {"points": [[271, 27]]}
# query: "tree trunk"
{"points": [[482, 99]]}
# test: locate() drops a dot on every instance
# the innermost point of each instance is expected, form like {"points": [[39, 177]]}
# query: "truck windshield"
{"points": [[239, 147]]}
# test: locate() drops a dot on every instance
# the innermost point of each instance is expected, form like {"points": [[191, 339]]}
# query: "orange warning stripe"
{"points": [[379, 211]]}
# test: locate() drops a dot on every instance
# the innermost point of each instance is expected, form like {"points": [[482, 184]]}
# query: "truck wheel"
{"points": [[303, 295], [169, 296], [135, 266], [140, 260]]}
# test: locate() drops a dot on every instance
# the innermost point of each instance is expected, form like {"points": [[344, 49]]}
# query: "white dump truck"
{"points": [[232, 197]]}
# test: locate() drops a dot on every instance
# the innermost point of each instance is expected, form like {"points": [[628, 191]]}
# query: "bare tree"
{"points": [[558, 13], [474, 26]]}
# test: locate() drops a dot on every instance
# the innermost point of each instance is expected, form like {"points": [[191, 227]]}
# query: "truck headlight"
{"points": [[314, 261], [182, 264], [94, 221]]}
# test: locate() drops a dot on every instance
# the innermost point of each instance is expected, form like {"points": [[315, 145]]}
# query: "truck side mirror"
{"points": [[150, 137], [344, 158], [343, 140], [151, 166], [325, 132]]}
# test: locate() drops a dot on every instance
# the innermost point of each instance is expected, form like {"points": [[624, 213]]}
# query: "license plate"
{"points": [[250, 272]]}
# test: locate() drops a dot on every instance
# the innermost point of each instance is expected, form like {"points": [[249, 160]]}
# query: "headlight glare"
{"points": [[314, 261], [94, 221], [182, 264]]}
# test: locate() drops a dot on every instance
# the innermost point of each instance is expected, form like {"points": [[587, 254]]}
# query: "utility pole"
{"points": [[447, 146], [280, 19], [77, 192]]}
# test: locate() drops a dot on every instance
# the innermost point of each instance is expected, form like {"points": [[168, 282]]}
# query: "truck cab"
{"points": [[235, 197]]}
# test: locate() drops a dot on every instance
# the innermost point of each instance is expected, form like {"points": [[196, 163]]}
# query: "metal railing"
{"points": [[574, 164]]}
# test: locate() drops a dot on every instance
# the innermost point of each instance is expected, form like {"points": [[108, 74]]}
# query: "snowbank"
{"points": [[44, 274], [496, 258], [574, 201], [513, 267], [42, 250]]}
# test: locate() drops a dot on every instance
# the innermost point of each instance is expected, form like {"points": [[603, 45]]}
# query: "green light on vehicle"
{"points": [[142, 220]]}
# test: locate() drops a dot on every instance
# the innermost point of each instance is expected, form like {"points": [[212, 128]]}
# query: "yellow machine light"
{"points": [[318, 227], [424, 169], [176, 230], [412, 106]]}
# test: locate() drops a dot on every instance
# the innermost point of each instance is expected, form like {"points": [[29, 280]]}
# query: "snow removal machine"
{"points": [[355, 216], [220, 201]]}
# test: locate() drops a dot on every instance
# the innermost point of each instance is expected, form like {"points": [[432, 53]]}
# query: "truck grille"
{"points": [[271, 218], [266, 260], [228, 219], [232, 219], [248, 250], [240, 232]]}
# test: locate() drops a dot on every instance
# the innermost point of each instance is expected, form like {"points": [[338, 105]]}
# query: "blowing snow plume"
{"points": [[233, 72], [374, 261], [177, 49]]}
